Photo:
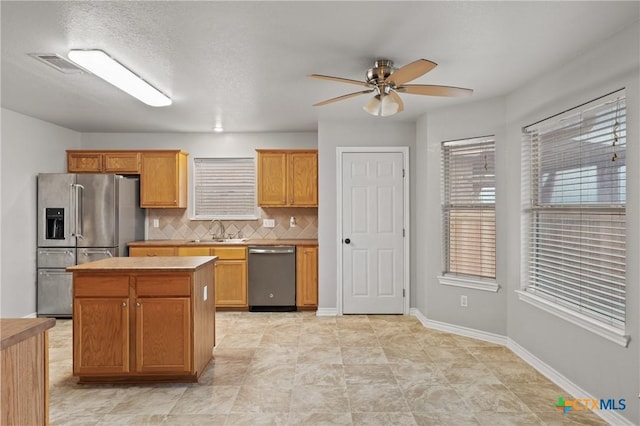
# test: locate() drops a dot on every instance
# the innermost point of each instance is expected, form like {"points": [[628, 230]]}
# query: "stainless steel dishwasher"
{"points": [[272, 278]]}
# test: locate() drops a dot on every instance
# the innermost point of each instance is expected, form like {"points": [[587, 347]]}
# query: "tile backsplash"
{"points": [[176, 225]]}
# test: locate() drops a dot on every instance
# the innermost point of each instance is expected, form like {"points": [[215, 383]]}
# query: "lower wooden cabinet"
{"points": [[231, 277], [307, 277], [152, 251]]}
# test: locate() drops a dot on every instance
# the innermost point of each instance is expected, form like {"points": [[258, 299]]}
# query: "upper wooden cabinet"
{"points": [[163, 173], [103, 162], [163, 180], [287, 178]]}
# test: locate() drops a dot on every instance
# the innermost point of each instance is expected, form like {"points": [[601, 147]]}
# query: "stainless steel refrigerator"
{"points": [[81, 218]]}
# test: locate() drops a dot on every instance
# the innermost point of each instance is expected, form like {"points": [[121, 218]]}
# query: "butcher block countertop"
{"points": [[255, 242], [159, 263]]}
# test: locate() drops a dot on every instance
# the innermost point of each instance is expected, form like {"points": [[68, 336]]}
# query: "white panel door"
{"points": [[372, 233]]}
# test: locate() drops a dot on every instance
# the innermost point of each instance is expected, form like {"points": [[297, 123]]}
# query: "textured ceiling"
{"points": [[244, 64]]}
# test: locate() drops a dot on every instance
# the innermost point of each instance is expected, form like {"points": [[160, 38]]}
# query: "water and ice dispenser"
{"points": [[54, 223]]}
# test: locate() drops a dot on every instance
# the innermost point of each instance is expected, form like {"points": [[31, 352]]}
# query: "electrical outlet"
{"points": [[156, 223], [463, 301], [205, 294], [269, 223]]}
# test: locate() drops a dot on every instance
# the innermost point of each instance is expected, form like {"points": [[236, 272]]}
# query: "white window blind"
{"points": [[469, 207], [577, 179], [225, 188]]}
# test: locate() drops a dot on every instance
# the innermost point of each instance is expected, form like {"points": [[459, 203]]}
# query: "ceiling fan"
{"points": [[385, 82]]}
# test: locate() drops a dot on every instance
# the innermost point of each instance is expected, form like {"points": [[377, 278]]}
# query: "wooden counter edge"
{"points": [[15, 330]]}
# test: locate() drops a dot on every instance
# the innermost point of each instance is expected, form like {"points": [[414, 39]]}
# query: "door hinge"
{"points": [[403, 294], [402, 172], [403, 234]]}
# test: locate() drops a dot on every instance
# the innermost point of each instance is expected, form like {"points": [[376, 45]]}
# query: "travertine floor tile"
{"points": [[295, 368]]}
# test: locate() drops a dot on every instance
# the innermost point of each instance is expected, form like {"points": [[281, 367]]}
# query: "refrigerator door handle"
{"points": [[79, 212], [71, 218], [87, 252]]}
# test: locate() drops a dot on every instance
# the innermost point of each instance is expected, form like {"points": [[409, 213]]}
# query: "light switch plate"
{"points": [[269, 223], [205, 295]]}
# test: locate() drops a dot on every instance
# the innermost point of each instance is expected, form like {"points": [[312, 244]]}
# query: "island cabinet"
{"points": [[307, 277], [127, 162], [143, 319], [287, 178], [163, 181]]}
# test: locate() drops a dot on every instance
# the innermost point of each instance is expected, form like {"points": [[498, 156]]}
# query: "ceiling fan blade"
{"points": [[411, 71], [340, 98], [394, 95], [430, 90], [339, 79]]}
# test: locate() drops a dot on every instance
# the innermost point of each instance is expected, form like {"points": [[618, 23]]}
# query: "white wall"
{"points": [[486, 310], [331, 135], [29, 146]]}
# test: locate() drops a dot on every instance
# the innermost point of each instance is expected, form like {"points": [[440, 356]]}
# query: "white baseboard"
{"points": [[571, 388], [327, 312], [459, 330], [574, 390], [32, 315]]}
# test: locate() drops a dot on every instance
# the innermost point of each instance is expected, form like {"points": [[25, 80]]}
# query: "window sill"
{"points": [[607, 331], [484, 284]]}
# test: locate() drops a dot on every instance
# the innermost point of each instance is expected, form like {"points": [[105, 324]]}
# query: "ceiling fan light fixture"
{"points": [[104, 66], [381, 106]]}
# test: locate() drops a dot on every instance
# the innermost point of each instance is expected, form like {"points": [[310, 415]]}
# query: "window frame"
{"points": [[252, 215], [449, 181], [577, 207]]}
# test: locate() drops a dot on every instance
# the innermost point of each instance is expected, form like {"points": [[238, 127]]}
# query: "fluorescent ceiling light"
{"points": [[110, 70]]}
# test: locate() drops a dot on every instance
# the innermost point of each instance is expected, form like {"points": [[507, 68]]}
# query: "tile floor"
{"points": [[299, 369]]}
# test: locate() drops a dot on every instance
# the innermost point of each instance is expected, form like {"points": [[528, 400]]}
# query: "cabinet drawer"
{"points": [[229, 253], [108, 285], [193, 251], [163, 285], [152, 251]]}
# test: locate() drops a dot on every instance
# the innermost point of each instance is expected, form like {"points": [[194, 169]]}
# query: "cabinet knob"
{"points": [[124, 304], [138, 304]]}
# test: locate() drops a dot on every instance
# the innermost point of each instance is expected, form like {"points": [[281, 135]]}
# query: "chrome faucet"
{"points": [[220, 229]]}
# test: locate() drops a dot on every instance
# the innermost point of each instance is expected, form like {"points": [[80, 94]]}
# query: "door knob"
{"points": [[347, 241]]}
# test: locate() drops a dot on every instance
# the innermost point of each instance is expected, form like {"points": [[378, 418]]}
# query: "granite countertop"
{"points": [[15, 330], [250, 242], [158, 263]]}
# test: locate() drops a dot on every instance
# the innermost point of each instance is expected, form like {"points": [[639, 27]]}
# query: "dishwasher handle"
{"points": [[271, 250]]}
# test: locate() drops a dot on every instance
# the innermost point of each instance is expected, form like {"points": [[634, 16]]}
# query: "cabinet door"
{"points": [[163, 181], [84, 162], [303, 179], [163, 337], [100, 335], [272, 178], [307, 276], [121, 162], [231, 283], [152, 251]]}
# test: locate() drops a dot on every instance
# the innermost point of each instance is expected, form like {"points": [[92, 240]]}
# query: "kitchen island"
{"points": [[143, 319]]}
